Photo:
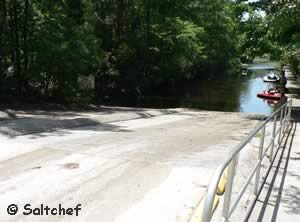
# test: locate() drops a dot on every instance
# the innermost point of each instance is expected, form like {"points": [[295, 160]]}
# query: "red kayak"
{"points": [[273, 94]]}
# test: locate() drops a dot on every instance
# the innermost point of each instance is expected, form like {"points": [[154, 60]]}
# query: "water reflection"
{"points": [[238, 95], [249, 102], [233, 95]]}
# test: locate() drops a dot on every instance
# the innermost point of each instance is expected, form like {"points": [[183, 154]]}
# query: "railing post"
{"points": [[273, 138], [228, 189], [290, 110], [280, 127], [284, 119], [260, 153], [232, 162]]}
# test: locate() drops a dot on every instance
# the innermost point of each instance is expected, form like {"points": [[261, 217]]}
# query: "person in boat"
{"points": [[283, 72], [274, 90], [284, 81]]}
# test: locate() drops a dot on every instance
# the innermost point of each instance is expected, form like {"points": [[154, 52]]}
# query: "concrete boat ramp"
{"points": [[121, 165]]}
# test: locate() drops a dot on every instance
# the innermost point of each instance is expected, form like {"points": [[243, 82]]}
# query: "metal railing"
{"points": [[283, 114]]}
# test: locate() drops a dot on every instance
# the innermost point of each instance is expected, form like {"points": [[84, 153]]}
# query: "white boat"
{"points": [[244, 72], [271, 77]]}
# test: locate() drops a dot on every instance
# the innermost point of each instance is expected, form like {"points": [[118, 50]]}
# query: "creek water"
{"points": [[232, 95]]}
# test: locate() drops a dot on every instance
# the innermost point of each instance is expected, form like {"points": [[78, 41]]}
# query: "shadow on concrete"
{"points": [[41, 125], [16, 123], [7, 115], [285, 162], [79, 111], [294, 90], [257, 117], [42, 121], [279, 170], [296, 114]]}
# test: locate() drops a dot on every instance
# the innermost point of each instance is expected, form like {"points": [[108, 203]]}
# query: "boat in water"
{"points": [[272, 94], [272, 77], [244, 72]]}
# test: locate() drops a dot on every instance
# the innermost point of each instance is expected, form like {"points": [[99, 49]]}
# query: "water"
{"points": [[249, 102], [230, 95]]}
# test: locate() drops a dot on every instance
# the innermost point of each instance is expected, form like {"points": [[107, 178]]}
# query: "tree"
{"points": [[133, 48], [277, 32]]}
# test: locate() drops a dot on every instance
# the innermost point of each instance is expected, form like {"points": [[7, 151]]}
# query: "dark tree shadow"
{"points": [[41, 125], [296, 114], [36, 121], [7, 115], [257, 117], [291, 199], [65, 111], [294, 90]]}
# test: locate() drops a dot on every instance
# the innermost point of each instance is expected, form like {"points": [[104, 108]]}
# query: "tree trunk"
{"points": [[11, 38], [25, 34], [17, 65], [120, 12], [148, 17], [2, 33]]}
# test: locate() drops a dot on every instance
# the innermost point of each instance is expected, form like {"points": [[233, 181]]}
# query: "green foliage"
{"points": [[273, 28], [292, 57], [133, 48]]}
